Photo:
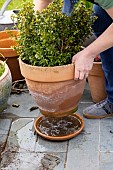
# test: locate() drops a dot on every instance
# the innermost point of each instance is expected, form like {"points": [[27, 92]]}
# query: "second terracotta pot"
{"points": [[97, 82], [54, 89]]}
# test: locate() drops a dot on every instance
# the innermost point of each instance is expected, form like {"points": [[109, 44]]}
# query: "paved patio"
{"points": [[21, 150]]}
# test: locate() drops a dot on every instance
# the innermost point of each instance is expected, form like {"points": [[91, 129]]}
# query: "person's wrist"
{"points": [[90, 52]]}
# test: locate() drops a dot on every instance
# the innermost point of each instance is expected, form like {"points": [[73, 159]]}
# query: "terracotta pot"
{"points": [[10, 55], [5, 87], [59, 138], [97, 82], [41, 4], [53, 88]]}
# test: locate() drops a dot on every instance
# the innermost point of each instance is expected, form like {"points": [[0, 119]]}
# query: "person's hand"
{"points": [[83, 64]]}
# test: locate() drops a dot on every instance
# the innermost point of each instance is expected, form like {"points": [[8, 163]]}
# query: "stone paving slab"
{"points": [[22, 136], [25, 102], [4, 126], [106, 135], [24, 153], [84, 141], [43, 145], [4, 129], [24, 160], [82, 160], [83, 151], [3, 139], [106, 160], [91, 125]]}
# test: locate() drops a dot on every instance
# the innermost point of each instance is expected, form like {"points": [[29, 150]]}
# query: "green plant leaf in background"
{"points": [[14, 4]]}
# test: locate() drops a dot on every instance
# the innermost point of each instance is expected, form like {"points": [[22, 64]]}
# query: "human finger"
{"points": [[76, 76], [86, 75], [81, 75]]}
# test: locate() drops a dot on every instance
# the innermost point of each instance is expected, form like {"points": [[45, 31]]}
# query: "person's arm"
{"points": [[84, 59], [41, 4]]}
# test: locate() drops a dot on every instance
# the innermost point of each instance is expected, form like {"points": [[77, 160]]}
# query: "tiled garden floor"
{"points": [[21, 150]]}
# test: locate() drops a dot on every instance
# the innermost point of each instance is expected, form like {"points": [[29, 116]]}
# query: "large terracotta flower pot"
{"points": [[10, 55], [97, 82], [56, 92], [5, 87], [57, 95]]}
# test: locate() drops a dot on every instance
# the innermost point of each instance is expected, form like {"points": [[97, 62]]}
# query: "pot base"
{"points": [[59, 128]]}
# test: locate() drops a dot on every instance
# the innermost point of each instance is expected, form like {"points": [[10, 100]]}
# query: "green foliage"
{"points": [[88, 4], [2, 68], [51, 38], [13, 4]]}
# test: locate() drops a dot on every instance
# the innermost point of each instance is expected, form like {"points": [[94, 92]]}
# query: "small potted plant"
{"points": [[5, 85], [46, 43]]}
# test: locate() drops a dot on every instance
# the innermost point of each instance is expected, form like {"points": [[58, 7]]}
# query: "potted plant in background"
{"points": [[96, 80], [5, 84], [46, 43]]}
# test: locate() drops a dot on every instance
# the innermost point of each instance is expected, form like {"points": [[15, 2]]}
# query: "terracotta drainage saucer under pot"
{"points": [[59, 129]]}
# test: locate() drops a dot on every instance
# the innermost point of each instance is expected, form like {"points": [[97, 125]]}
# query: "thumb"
{"points": [[74, 59]]}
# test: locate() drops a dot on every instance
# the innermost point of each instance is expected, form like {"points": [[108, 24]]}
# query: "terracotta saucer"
{"points": [[59, 138]]}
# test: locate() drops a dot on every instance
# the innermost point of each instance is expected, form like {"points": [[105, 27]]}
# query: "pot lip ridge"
{"points": [[2, 37], [5, 72], [66, 65], [47, 74], [6, 32]]}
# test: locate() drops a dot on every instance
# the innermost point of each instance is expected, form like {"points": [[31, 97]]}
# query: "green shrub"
{"points": [[51, 38]]}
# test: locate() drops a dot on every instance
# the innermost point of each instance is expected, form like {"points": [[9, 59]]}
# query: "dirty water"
{"points": [[58, 127]]}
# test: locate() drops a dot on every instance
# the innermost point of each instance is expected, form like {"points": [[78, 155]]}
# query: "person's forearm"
{"points": [[102, 43]]}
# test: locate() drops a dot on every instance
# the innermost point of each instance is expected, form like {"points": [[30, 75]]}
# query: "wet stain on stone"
{"points": [[49, 162]]}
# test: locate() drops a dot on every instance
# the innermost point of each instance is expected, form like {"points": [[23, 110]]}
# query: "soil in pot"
{"points": [[62, 128]]}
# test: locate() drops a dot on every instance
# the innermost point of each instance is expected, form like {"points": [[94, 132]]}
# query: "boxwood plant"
{"points": [[51, 38]]}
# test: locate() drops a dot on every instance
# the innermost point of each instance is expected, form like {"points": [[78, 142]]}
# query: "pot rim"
{"points": [[6, 31], [2, 37], [5, 72], [66, 65], [47, 74]]}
